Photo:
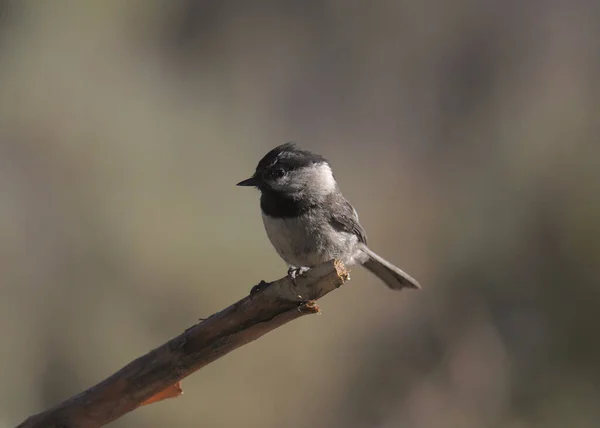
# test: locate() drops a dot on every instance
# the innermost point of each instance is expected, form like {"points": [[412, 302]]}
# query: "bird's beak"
{"points": [[249, 182]]}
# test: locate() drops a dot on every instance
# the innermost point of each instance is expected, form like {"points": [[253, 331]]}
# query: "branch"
{"points": [[141, 380]]}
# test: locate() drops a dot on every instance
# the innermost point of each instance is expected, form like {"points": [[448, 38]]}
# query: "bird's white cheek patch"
{"points": [[325, 182]]}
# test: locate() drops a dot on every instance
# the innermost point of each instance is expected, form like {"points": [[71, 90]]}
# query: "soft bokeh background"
{"points": [[466, 133]]}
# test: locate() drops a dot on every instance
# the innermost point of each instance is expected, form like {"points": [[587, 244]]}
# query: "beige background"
{"points": [[466, 134]]}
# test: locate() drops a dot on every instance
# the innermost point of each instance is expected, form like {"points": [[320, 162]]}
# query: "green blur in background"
{"points": [[466, 133]]}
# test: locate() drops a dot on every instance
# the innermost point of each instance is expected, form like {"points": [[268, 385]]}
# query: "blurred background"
{"points": [[466, 133]]}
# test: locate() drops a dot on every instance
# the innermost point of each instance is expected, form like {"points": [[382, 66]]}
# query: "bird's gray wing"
{"points": [[344, 218]]}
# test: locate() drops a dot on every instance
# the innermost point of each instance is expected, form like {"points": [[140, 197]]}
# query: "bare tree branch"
{"points": [[247, 320]]}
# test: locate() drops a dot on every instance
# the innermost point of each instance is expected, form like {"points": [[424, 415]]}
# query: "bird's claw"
{"points": [[294, 272]]}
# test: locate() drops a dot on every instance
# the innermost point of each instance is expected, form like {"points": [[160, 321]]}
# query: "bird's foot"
{"points": [[294, 272], [259, 287]]}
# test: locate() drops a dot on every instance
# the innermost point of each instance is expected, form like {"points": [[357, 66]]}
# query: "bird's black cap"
{"points": [[288, 157]]}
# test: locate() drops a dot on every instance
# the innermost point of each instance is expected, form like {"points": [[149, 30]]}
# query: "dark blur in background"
{"points": [[466, 133]]}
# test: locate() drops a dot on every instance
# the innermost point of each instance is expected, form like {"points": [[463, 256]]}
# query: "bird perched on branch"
{"points": [[309, 221]]}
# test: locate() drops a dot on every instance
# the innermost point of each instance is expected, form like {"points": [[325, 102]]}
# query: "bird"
{"points": [[309, 221]]}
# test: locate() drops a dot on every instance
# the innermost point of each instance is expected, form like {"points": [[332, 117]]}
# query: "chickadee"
{"points": [[307, 218]]}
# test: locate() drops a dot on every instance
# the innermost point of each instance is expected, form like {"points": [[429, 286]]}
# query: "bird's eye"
{"points": [[278, 173]]}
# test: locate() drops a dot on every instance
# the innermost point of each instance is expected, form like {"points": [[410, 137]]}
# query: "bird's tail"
{"points": [[394, 277]]}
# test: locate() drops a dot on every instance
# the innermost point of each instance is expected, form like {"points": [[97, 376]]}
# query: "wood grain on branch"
{"points": [[161, 369]]}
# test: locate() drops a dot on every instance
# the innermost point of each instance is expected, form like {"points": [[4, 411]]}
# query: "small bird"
{"points": [[309, 221]]}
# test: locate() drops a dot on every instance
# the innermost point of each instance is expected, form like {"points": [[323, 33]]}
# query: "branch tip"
{"points": [[341, 270]]}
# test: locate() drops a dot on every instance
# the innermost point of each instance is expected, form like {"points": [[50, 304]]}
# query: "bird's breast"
{"points": [[306, 240], [293, 239]]}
